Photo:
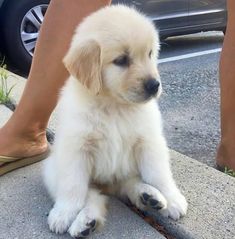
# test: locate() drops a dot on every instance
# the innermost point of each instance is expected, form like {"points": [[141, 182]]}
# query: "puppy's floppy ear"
{"points": [[83, 61]]}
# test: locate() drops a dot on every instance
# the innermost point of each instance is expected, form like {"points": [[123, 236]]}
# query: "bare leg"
{"points": [[24, 133], [226, 151]]}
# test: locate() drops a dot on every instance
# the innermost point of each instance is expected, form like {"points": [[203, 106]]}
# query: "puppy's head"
{"points": [[114, 53]]}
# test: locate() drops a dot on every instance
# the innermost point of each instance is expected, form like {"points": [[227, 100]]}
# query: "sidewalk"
{"points": [[211, 196]]}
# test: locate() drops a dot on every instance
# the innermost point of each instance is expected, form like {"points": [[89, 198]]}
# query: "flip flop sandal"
{"points": [[8, 164]]}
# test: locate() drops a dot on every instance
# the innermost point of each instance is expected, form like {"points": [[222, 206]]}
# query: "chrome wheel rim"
{"points": [[30, 27]]}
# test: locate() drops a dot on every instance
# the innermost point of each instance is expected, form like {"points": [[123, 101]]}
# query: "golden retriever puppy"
{"points": [[110, 130]]}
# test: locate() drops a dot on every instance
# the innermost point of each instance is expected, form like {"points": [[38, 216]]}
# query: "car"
{"points": [[20, 21]]}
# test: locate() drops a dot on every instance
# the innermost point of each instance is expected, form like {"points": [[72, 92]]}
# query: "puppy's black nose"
{"points": [[151, 86]]}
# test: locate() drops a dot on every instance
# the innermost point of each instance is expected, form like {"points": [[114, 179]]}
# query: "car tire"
{"points": [[15, 12]]}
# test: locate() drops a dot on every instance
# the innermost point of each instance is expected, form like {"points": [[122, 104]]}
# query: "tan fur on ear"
{"points": [[83, 61]]}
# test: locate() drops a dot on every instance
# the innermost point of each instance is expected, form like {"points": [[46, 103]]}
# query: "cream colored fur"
{"points": [[109, 132]]}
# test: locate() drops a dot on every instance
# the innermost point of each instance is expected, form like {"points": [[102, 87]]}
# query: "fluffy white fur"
{"points": [[109, 132]]}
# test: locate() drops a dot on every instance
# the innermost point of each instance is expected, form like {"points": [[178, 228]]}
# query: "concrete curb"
{"points": [[211, 198], [19, 83], [5, 114]]}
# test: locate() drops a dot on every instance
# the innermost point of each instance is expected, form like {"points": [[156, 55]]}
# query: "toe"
{"points": [[153, 202], [92, 224], [149, 201], [86, 232], [146, 196]]}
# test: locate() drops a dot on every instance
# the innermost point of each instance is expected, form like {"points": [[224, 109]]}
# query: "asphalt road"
{"points": [[190, 101]]}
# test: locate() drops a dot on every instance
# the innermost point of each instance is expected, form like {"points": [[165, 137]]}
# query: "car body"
{"points": [[176, 17], [20, 21]]}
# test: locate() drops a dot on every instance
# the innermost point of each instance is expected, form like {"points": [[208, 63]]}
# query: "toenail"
{"points": [[158, 207], [143, 201], [92, 223]]}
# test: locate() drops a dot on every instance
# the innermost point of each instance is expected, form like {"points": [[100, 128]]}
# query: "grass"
{"points": [[5, 90], [229, 172]]}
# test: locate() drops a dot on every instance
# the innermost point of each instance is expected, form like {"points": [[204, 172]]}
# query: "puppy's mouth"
{"points": [[139, 96]]}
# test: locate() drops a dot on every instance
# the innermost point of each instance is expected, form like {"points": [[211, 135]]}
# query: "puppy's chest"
{"points": [[115, 157]]}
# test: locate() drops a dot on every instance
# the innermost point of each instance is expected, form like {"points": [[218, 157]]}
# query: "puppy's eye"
{"points": [[122, 61], [150, 54]]}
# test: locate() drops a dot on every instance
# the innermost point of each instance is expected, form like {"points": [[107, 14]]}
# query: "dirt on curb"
{"points": [[161, 229]]}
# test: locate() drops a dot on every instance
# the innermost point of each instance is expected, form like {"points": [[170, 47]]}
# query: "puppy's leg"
{"points": [[72, 173], [154, 167], [142, 195], [91, 216]]}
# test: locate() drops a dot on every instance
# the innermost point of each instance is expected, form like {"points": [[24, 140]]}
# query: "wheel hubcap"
{"points": [[30, 27]]}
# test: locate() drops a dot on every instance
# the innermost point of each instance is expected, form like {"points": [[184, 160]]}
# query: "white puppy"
{"points": [[110, 130]]}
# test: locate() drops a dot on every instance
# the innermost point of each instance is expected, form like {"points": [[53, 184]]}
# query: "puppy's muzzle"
{"points": [[151, 86]]}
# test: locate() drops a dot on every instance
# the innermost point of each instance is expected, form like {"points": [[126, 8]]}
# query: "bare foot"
{"points": [[226, 156], [18, 144]]}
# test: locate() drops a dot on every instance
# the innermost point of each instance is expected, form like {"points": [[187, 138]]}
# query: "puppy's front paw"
{"points": [[59, 220], [176, 206], [148, 197], [83, 230], [152, 201], [86, 223]]}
